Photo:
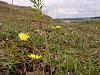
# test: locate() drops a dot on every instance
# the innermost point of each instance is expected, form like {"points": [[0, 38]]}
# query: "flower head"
{"points": [[53, 27], [34, 56], [58, 26], [23, 36]]}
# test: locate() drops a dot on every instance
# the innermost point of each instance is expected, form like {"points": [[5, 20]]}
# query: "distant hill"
{"points": [[88, 18], [22, 14]]}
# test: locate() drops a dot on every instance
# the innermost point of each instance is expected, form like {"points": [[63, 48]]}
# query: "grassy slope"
{"points": [[79, 40], [16, 15]]}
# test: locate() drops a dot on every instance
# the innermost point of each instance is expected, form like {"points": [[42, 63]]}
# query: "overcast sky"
{"points": [[66, 8]]}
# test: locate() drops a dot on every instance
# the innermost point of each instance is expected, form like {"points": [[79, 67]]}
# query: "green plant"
{"points": [[73, 48], [9, 65], [37, 5]]}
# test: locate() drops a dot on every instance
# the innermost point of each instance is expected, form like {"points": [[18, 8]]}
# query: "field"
{"points": [[51, 47]]}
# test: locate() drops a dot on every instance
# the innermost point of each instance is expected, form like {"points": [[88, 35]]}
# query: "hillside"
{"points": [[12, 12], [23, 14], [35, 44]]}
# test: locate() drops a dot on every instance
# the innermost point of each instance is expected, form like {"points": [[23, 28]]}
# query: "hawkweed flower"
{"points": [[23, 36], [34, 56], [53, 27], [58, 27]]}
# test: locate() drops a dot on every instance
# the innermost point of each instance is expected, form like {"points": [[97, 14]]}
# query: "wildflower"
{"points": [[34, 56], [58, 26], [23, 36], [53, 27]]}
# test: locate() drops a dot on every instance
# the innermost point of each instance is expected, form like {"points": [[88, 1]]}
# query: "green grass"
{"points": [[72, 49]]}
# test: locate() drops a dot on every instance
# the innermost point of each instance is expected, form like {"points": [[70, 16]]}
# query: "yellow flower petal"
{"points": [[33, 56], [23, 36], [53, 27], [58, 26]]}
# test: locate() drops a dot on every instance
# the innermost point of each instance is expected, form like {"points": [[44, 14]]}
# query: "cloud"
{"points": [[19, 2], [55, 13], [66, 8], [73, 8]]}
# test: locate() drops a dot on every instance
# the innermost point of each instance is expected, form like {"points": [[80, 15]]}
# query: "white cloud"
{"points": [[66, 8], [19, 2], [62, 11], [67, 11]]}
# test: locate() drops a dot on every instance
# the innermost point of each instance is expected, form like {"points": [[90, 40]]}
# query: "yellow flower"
{"points": [[53, 27], [23, 36], [58, 26], [33, 56]]}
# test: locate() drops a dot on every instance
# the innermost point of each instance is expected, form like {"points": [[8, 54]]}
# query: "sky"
{"points": [[66, 8]]}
